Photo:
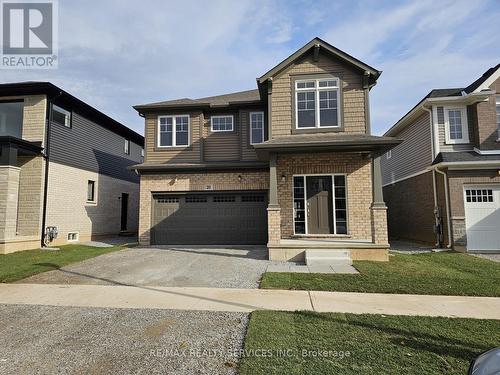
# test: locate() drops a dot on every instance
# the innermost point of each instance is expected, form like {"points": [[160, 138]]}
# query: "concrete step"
{"points": [[328, 257]]}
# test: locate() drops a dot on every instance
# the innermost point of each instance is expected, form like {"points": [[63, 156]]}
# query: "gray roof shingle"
{"points": [[465, 156], [248, 96]]}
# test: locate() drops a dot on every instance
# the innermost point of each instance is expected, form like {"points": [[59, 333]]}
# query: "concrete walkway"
{"points": [[246, 300]]}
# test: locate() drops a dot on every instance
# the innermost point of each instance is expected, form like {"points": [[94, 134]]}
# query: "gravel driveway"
{"points": [[240, 267], [70, 340]]}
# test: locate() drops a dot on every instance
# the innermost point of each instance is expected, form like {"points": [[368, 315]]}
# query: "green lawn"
{"points": [[430, 273], [376, 344], [17, 266]]}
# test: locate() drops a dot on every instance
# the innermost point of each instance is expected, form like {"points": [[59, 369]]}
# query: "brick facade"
{"points": [[410, 206], [178, 182], [357, 167], [487, 128]]}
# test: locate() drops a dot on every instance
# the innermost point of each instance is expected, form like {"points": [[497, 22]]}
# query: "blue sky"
{"points": [[114, 53]]}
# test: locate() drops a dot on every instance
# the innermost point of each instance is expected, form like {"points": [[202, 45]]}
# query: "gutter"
{"points": [[447, 203], [47, 162]]}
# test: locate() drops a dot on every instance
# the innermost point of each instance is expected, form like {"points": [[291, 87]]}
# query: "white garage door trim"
{"points": [[482, 217]]}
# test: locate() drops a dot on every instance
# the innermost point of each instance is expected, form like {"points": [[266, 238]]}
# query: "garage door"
{"points": [[482, 217], [210, 219]]}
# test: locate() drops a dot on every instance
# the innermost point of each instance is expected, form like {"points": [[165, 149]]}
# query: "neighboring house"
{"points": [[290, 164], [442, 184], [63, 164]]}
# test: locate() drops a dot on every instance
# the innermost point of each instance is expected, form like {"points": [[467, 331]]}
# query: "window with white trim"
{"points": [[61, 116], [173, 131], [126, 147], [498, 114], [72, 236], [256, 127], [317, 103], [222, 123], [388, 155], [456, 128]]}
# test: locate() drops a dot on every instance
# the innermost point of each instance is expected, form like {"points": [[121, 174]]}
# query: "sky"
{"points": [[114, 54]]}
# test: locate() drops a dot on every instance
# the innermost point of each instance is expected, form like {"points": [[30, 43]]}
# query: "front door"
{"points": [[319, 205], [124, 211]]}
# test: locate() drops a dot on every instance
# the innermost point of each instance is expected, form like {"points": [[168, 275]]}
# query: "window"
{"points": [[224, 198], [173, 131], [11, 118], [456, 125], [91, 191], [196, 199], [317, 103], [221, 123], [479, 195], [388, 155], [61, 116], [127, 147], [142, 152], [256, 127], [498, 114], [339, 202], [72, 236]]}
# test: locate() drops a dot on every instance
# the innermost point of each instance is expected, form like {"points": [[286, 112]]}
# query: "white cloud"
{"points": [[419, 46]]}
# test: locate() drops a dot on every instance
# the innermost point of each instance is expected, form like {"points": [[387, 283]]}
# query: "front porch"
{"points": [[325, 193], [293, 249]]}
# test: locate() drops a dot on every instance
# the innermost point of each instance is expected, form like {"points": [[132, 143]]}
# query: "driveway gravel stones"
{"points": [[71, 340], [240, 267]]}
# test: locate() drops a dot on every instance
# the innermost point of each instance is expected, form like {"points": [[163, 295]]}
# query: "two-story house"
{"points": [[63, 165], [291, 163], [442, 183]]}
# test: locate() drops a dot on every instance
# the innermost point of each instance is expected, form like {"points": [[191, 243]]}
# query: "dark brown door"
{"points": [[319, 204]]}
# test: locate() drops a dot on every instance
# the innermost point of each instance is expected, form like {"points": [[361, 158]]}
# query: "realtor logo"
{"points": [[29, 34]]}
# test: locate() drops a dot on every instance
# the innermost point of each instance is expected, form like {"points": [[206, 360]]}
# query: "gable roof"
{"points": [[474, 90], [325, 47], [65, 98], [240, 97], [488, 77]]}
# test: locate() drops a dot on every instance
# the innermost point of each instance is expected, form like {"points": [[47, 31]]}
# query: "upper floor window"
{"points": [[61, 116], [256, 127], [498, 114], [173, 131], [456, 125], [90, 191], [388, 155], [126, 148], [11, 118], [222, 123], [317, 103]]}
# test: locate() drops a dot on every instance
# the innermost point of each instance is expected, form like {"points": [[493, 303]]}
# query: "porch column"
{"points": [[273, 210], [9, 186], [379, 209]]}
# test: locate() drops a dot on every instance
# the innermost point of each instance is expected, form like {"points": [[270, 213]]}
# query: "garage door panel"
{"points": [[222, 218], [482, 217]]}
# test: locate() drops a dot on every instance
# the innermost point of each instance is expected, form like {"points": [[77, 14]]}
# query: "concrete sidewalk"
{"points": [[247, 300]]}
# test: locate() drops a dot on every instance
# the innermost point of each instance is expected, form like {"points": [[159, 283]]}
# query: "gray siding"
{"points": [[443, 147], [413, 155], [90, 146]]}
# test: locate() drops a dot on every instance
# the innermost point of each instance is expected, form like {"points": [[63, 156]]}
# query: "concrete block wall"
{"points": [[69, 211], [9, 185]]}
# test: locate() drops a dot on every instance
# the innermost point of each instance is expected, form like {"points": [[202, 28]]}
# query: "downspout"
{"points": [[46, 157], [434, 188], [447, 202]]}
